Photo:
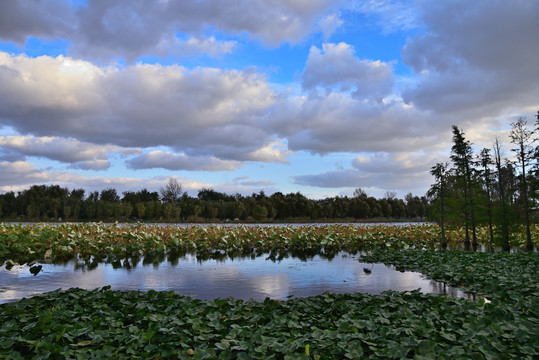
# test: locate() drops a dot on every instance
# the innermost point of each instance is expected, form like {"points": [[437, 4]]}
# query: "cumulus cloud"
{"points": [[329, 24], [402, 162], [209, 46], [246, 186], [107, 30], [336, 67], [20, 175], [338, 123], [172, 161], [389, 171], [79, 154], [204, 111], [11, 155], [272, 21], [275, 151], [23, 18], [475, 58]]}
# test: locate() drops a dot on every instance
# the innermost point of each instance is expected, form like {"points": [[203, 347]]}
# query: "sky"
{"points": [[313, 96]]}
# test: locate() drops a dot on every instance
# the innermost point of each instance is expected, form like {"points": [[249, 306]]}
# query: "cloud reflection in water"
{"points": [[240, 278]]}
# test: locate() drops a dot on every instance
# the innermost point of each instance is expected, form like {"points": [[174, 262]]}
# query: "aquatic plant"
{"points": [[115, 243], [162, 325]]}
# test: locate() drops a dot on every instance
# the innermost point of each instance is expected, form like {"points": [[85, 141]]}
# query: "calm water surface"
{"points": [[239, 278]]}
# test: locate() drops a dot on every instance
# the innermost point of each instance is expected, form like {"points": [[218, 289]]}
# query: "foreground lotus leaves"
{"points": [[99, 323], [102, 323]]}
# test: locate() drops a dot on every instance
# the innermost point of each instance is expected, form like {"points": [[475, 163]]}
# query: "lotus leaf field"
{"points": [[103, 323]]}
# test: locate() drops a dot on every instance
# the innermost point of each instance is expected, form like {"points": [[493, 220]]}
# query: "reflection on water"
{"points": [[244, 278]]}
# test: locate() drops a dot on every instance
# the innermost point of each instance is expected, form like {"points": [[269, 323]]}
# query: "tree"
{"points": [[486, 161], [172, 192], [360, 193], [503, 197], [462, 158], [109, 195], [522, 138], [438, 191], [140, 210], [534, 181], [390, 195], [415, 208], [77, 194], [93, 196], [360, 208]]}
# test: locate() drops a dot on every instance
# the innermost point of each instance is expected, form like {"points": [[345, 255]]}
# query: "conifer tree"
{"points": [[503, 197], [462, 158], [438, 191], [522, 137], [486, 161]]}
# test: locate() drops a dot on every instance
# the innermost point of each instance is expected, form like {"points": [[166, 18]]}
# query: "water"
{"points": [[239, 278]]}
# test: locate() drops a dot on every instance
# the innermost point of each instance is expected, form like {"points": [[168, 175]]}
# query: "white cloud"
{"points": [[22, 18], [390, 171], [80, 154], [336, 68], [383, 163], [476, 58], [172, 161], [17, 176], [275, 151], [272, 21], [110, 29], [203, 45], [246, 186], [330, 24], [338, 123], [96, 164], [204, 111]]}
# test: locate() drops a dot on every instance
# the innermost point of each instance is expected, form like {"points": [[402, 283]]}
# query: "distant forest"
{"points": [[172, 204], [474, 189]]}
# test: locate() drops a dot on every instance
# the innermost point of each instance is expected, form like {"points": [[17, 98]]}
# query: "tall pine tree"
{"points": [[462, 157], [522, 137]]}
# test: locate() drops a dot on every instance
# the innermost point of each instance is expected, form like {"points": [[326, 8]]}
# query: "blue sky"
{"points": [[315, 96]]}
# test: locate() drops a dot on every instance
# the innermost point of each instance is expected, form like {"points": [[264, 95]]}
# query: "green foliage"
{"points": [[502, 277], [163, 325], [150, 325], [50, 202]]}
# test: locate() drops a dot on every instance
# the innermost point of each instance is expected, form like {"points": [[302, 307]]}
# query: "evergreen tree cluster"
{"points": [[488, 188]]}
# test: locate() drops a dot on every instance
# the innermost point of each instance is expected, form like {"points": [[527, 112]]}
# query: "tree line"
{"points": [[488, 188], [172, 204]]}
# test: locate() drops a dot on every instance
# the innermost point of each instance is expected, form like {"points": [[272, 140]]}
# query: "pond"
{"points": [[243, 278]]}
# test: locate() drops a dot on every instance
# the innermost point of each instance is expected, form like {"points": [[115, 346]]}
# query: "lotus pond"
{"points": [[78, 323], [242, 278]]}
